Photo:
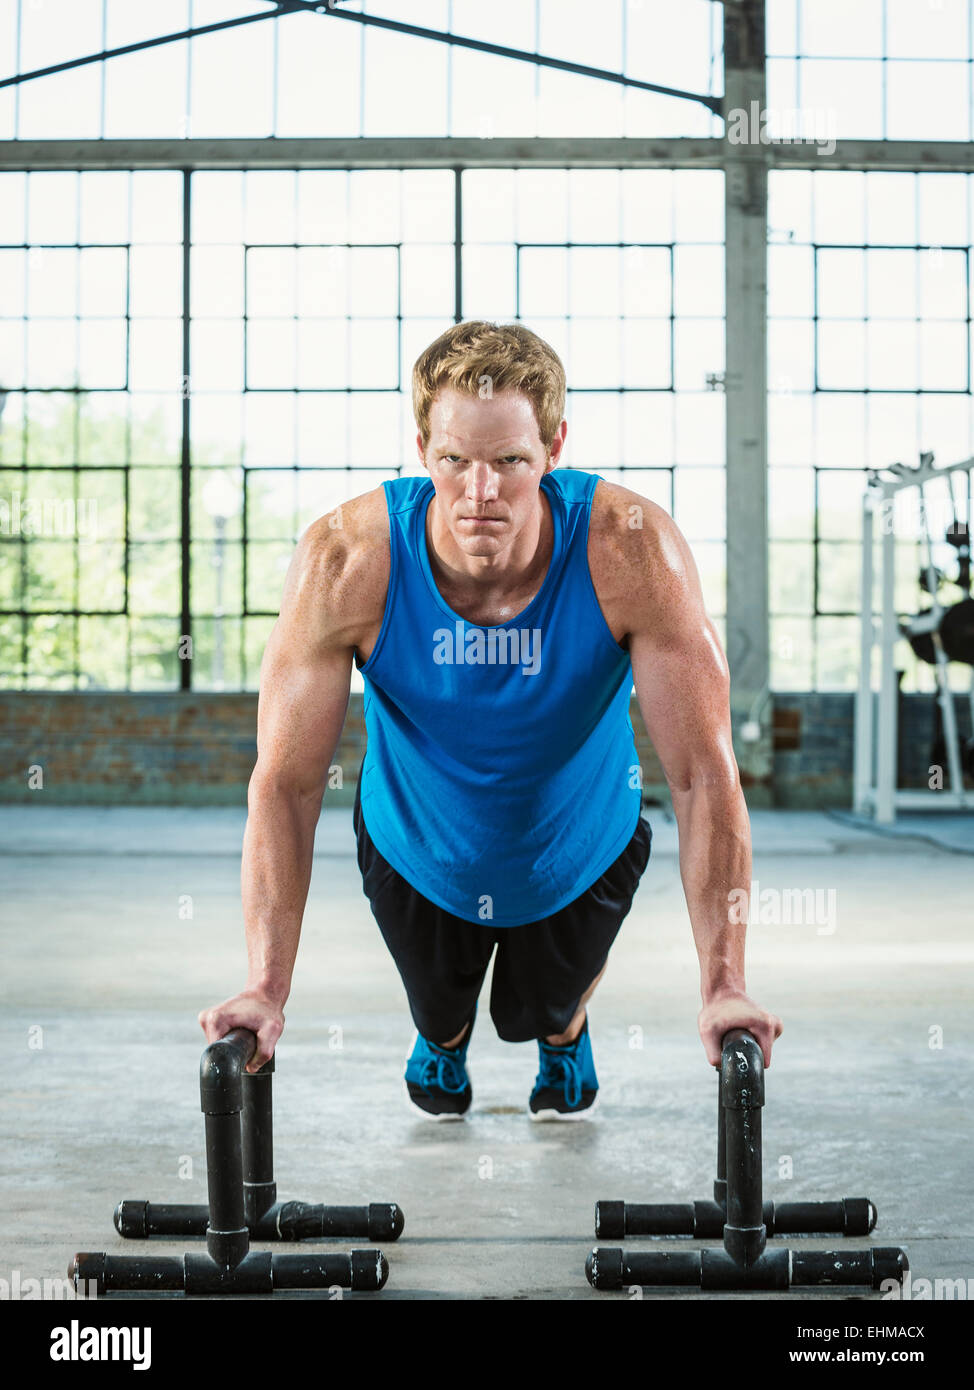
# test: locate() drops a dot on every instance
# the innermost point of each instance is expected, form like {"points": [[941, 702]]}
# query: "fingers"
{"points": [[261, 1017], [267, 1037], [765, 1028]]}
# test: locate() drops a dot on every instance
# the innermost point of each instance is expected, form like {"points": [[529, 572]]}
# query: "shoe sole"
{"points": [[426, 1114], [540, 1116]]}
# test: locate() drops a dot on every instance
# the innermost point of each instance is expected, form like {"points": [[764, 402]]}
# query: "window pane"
{"points": [[699, 499], [840, 505], [101, 353], [52, 352], [271, 504], [256, 632], [217, 280], [841, 356], [839, 567], [373, 281], [594, 287], [103, 282], [50, 652], [488, 282], [157, 281], [156, 355], [892, 277], [11, 654], [698, 352], [101, 504], [791, 654], [646, 353], [267, 564], [101, 581], [542, 281], [323, 273], [791, 503], [52, 282], [11, 562], [215, 578], [790, 577], [217, 353], [841, 283], [102, 653], [50, 575], [837, 654], [322, 491], [105, 205], [271, 351], [155, 653], [154, 579], [271, 281]]}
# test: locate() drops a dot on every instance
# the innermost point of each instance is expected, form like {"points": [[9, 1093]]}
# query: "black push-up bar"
{"points": [[242, 1204], [739, 1215]]}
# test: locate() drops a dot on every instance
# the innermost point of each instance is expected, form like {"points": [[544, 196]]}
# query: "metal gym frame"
{"points": [[242, 1204], [739, 1216], [876, 792], [745, 165]]}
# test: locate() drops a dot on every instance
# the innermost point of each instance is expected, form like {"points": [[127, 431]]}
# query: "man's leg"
{"points": [[575, 1027], [455, 1042], [546, 971]]}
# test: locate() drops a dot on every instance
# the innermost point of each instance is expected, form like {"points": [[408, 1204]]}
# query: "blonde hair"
{"points": [[507, 356]]}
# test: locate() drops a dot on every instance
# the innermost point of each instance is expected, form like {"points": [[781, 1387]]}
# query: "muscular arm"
{"points": [[682, 685], [304, 689]]}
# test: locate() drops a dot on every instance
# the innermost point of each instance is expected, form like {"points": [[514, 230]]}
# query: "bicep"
{"points": [[305, 681], [680, 673], [300, 713]]}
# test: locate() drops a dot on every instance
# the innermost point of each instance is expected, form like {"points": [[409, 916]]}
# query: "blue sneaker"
{"points": [[437, 1083], [566, 1087]]}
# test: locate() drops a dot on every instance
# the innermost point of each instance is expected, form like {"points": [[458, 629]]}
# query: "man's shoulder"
{"points": [[629, 528], [641, 566], [345, 552]]}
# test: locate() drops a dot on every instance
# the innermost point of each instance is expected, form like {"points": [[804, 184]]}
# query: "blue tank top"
{"points": [[501, 775]]}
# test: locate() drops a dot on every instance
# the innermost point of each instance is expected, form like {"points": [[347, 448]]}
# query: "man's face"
{"points": [[486, 460]]}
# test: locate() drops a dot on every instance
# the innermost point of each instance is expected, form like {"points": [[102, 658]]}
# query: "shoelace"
{"points": [[559, 1067], [446, 1073]]}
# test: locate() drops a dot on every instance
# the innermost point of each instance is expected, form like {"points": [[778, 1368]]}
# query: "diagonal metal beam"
{"points": [[285, 7], [712, 103], [138, 47]]}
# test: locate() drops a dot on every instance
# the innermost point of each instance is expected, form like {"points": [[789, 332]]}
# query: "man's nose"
{"points": [[481, 482]]}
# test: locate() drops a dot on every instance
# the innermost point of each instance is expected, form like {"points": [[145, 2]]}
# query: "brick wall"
{"points": [[814, 740], [184, 749]]}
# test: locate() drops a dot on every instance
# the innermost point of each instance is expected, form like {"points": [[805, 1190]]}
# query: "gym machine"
{"points": [[242, 1204], [738, 1215]]}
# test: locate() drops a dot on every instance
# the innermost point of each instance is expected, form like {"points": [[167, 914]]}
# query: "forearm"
{"points": [[275, 877], [715, 865]]}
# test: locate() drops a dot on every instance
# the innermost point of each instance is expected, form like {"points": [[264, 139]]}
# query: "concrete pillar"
{"points": [[745, 384]]}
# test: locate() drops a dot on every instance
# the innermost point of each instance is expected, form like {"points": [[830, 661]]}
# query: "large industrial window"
{"points": [[309, 295], [869, 304]]}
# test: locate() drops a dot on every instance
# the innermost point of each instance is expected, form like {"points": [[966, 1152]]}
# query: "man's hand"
{"points": [[248, 1009], [736, 1010]]}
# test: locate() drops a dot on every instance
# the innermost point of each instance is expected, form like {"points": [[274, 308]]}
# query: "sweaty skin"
{"points": [[490, 535]]}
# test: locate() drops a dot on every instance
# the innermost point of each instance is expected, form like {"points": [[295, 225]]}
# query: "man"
{"points": [[500, 611]]}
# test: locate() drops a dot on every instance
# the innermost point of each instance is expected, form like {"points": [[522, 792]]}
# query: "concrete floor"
{"points": [[96, 955]]}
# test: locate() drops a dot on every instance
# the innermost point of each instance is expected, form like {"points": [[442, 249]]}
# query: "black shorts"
{"points": [[542, 968]]}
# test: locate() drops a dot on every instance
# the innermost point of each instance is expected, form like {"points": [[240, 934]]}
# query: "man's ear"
{"points": [[557, 444], [419, 449]]}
